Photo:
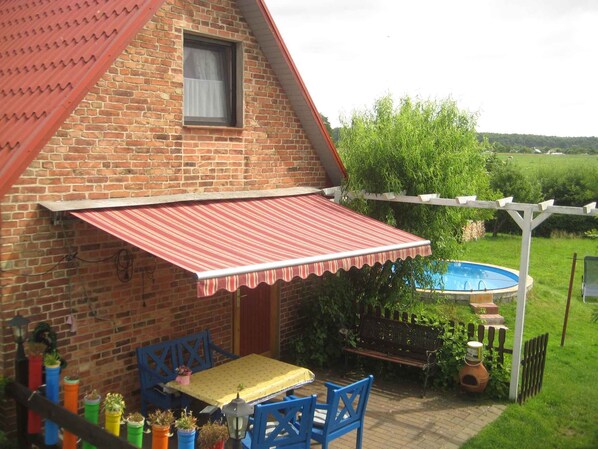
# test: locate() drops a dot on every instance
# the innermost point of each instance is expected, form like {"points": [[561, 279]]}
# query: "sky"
{"points": [[522, 66]]}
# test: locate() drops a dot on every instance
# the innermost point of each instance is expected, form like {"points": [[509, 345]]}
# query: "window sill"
{"points": [[215, 127]]}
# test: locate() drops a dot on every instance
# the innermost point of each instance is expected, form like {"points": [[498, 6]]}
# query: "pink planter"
{"points": [[183, 380]]}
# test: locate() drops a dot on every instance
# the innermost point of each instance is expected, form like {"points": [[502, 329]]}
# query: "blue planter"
{"points": [[52, 390], [186, 439]]}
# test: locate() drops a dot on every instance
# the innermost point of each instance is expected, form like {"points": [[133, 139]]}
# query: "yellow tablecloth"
{"points": [[257, 378]]}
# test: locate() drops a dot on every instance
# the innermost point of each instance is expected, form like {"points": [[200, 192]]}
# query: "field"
{"points": [[565, 162], [565, 414]]}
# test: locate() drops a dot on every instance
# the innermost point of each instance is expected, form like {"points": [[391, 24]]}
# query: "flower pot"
{"points": [[34, 421], [135, 432], [186, 438], [91, 413], [113, 422], [219, 445], [183, 380], [52, 389], [160, 436], [71, 403]]}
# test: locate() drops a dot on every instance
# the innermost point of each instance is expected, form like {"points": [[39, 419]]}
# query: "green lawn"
{"points": [[564, 162], [565, 413]]}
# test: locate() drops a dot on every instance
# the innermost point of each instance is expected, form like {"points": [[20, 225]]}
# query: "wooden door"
{"points": [[256, 320]]}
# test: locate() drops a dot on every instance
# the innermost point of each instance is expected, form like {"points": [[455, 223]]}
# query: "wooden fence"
{"points": [[492, 338], [534, 358]]}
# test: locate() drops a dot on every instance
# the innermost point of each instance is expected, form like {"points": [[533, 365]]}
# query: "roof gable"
{"points": [[52, 52]]}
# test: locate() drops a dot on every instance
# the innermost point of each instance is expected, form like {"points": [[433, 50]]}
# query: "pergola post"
{"points": [[526, 243]]}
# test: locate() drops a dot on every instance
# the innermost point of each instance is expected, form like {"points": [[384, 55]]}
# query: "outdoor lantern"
{"points": [[19, 330], [237, 414]]}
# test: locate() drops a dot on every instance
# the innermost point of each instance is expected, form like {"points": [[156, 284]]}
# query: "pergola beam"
{"points": [[432, 199]]}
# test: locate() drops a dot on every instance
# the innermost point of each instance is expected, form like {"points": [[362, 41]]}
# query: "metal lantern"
{"points": [[19, 329], [237, 414]]}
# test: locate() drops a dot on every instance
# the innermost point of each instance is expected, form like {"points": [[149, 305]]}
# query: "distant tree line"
{"points": [[527, 143]]}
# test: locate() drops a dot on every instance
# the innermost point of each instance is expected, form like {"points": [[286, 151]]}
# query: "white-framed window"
{"points": [[210, 89]]}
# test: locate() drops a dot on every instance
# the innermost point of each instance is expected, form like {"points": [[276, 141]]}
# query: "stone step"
{"points": [[490, 318], [489, 308], [497, 327]]}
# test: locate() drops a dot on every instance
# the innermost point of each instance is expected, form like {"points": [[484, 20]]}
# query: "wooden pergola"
{"points": [[527, 216]]}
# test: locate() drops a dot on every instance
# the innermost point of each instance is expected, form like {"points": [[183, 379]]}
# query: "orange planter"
{"points": [[71, 403], [160, 436]]}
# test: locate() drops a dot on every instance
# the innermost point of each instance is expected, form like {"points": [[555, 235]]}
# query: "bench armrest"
{"points": [[215, 347], [431, 356]]}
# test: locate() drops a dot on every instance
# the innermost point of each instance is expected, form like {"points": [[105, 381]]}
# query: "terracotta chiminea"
{"points": [[473, 377]]}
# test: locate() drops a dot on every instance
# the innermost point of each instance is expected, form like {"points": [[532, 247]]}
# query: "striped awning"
{"points": [[244, 242]]}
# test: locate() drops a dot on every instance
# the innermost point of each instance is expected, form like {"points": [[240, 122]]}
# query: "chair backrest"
{"points": [[347, 405], [590, 271], [285, 424], [194, 351], [157, 363]]}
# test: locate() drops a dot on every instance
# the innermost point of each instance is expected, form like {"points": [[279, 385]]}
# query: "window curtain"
{"points": [[205, 89]]}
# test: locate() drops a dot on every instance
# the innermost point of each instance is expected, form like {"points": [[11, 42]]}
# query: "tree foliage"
{"points": [[510, 180], [526, 143], [417, 147]]}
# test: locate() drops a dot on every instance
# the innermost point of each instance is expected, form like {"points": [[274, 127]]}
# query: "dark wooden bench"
{"points": [[157, 365], [396, 341]]}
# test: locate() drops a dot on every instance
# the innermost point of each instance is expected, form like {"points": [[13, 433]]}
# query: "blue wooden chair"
{"points": [[157, 366], [343, 412], [285, 424]]}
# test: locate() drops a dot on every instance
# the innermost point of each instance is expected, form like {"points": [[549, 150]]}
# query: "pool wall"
{"points": [[503, 295]]}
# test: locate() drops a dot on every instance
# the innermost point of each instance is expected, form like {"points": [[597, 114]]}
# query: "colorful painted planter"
{"points": [[34, 421], [160, 436], [52, 390], [71, 403], [113, 422], [186, 438], [135, 432], [92, 414]]}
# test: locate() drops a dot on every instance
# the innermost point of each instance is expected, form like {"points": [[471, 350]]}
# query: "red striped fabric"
{"points": [[231, 243]]}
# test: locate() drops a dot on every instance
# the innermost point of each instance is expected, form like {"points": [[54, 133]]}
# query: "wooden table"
{"points": [[257, 378]]}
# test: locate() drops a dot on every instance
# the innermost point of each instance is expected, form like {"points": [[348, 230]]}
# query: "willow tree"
{"points": [[415, 147]]}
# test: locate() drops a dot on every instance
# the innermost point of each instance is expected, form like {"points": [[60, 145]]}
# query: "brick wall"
{"points": [[126, 139]]}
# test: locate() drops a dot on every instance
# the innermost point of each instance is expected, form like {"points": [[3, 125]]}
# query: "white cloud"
{"points": [[527, 66]]}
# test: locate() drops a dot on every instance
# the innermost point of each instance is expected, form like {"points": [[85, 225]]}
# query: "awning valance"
{"points": [[232, 243]]}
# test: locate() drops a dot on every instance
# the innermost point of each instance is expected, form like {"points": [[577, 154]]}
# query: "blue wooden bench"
{"points": [[157, 365]]}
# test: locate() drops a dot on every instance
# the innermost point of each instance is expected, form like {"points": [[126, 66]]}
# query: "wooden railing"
{"points": [[75, 424]]}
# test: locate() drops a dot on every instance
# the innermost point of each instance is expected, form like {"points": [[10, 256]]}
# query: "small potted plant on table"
{"points": [[183, 375], [186, 426], [161, 420], [114, 406], [213, 435]]}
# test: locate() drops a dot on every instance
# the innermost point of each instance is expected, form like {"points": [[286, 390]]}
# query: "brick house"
{"points": [[156, 105]]}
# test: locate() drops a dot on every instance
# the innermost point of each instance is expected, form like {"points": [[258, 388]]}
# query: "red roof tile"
{"points": [[51, 53]]}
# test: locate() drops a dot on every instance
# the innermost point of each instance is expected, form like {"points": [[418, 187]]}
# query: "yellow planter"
{"points": [[113, 422]]}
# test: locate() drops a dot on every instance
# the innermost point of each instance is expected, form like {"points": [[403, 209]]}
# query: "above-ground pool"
{"points": [[464, 279]]}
